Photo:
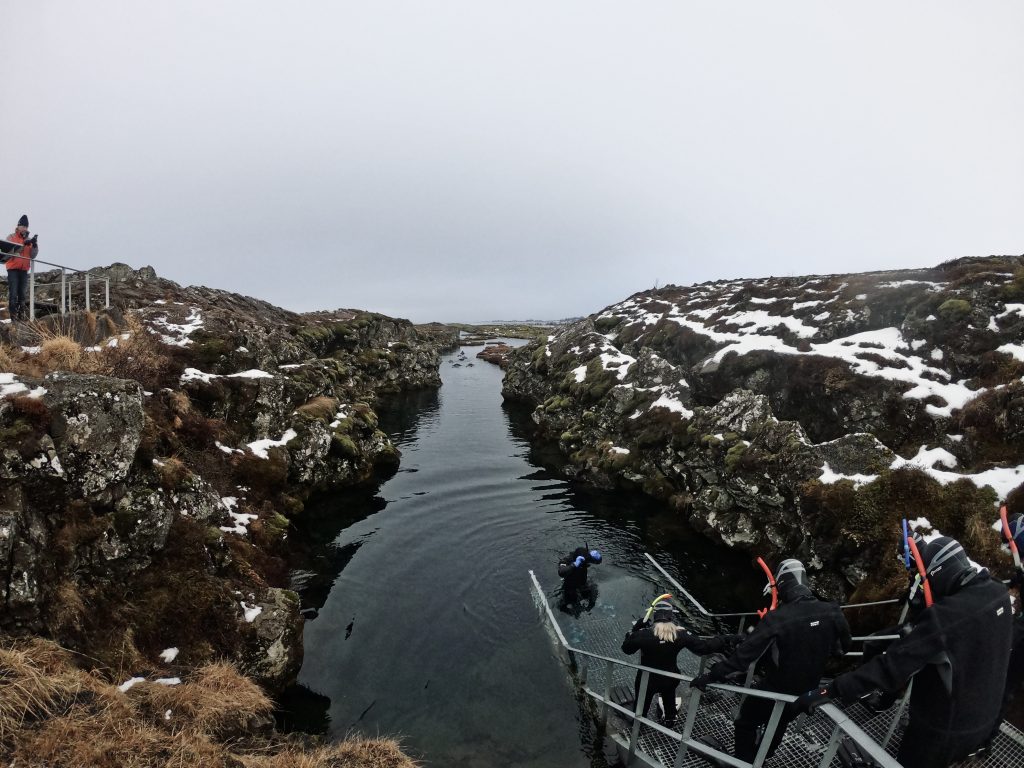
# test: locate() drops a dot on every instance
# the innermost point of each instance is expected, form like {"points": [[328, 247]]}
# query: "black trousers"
{"points": [[17, 290], [753, 714], [924, 747], [665, 686]]}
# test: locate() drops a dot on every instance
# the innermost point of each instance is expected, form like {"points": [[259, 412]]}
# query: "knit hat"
{"points": [[23, 221]]}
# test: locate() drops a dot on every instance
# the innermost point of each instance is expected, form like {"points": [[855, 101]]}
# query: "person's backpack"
{"points": [[852, 756]]}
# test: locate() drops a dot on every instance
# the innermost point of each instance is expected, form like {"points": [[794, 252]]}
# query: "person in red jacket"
{"points": [[17, 270]]}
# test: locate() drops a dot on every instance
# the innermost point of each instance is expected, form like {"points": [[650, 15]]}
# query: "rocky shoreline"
{"points": [[155, 455], [802, 416]]}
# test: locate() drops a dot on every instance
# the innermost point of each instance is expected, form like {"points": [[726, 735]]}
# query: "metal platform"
{"points": [[592, 646]]}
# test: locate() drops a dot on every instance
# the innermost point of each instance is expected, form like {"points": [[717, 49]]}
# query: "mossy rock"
{"points": [[275, 526], [605, 324], [953, 310], [387, 457], [343, 445], [734, 456]]}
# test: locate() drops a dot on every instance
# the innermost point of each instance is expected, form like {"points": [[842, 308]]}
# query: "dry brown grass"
{"points": [[216, 701], [65, 608], [54, 714], [172, 472], [60, 353], [9, 358], [352, 753], [322, 408], [141, 357]]}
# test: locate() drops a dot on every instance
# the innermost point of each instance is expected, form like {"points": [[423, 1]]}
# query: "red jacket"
{"points": [[20, 261]]}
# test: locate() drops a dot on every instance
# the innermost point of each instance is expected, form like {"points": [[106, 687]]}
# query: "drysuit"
{"points": [[957, 653], [662, 655], [791, 646]]}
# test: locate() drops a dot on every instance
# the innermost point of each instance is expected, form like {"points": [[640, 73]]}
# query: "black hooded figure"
{"points": [[957, 653], [577, 594], [790, 646], [659, 642]]}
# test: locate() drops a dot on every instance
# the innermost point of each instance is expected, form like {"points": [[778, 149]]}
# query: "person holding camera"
{"points": [[18, 267]]}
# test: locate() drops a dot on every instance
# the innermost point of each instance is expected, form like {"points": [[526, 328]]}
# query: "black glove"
{"points": [[1017, 579], [639, 624], [807, 702], [701, 682]]}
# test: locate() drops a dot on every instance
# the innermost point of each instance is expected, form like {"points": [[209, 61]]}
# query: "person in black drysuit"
{"points": [[957, 654], [577, 594], [913, 604], [1015, 669], [659, 643], [791, 646]]}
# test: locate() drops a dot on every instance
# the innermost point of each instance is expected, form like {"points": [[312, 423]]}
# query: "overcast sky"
{"points": [[481, 160]]}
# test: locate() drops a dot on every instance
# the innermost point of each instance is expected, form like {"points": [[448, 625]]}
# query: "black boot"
{"points": [[746, 743]]}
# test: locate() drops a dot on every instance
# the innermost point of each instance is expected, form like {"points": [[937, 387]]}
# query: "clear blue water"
{"points": [[427, 628]]}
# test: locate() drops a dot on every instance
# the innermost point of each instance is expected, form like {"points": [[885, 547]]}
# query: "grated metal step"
{"points": [[601, 631]]}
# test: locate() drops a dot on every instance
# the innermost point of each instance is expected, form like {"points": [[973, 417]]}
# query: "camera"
{"points": [[32, 241]]}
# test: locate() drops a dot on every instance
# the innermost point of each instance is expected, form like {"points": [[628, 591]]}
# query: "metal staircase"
{"points": [[607, 676]]}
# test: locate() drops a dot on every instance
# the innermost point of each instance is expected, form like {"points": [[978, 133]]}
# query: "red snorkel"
{"points": [[1009, 536], [771, 583], [922, 572]]}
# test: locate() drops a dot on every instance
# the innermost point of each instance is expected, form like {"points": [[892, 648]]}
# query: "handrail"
{"points": [[842, 724], [64, 282], [709, 614]]}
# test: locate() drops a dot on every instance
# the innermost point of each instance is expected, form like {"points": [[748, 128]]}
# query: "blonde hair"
{"points": [[665, 631]]}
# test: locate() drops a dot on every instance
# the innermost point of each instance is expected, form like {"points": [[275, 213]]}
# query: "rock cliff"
{"points": [[801, 415], [153, 456]]}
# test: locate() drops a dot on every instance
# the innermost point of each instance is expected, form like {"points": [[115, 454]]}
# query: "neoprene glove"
{"points": [[1017, 579], [701, 682], [579, 561], [811, 700]]}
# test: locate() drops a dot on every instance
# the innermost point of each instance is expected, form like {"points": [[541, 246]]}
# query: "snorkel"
{"points": [[906, 547], [658, 599], [922, 573], [772, 585], [1009, 536]]}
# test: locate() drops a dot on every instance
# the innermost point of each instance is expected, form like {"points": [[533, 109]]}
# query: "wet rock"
{"points": [[273, 654]]}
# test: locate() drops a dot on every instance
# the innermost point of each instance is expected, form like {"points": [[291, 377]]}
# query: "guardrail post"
{"points": [[746, 684], [63, 291], [833, 747], [634, 734], [898, 714], [691, 717], [32, 289], [87, 292], [608, 667], [769, 734], [107, 304]]}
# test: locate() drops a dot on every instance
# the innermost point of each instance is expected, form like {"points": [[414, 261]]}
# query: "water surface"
{"points": [[427, 626]]}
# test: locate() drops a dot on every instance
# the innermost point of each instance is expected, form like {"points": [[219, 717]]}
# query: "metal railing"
{"points": [[842, 724], [65, 284], [744, 615]]}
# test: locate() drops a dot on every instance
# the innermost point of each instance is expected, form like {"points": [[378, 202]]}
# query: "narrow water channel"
{"points": [[427, 628]]}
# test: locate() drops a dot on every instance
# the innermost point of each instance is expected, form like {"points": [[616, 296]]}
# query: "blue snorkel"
{"points": [[906, 546]]}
